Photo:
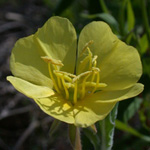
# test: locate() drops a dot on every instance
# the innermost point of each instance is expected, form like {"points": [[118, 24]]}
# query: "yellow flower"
{"points": [[77, 90]]}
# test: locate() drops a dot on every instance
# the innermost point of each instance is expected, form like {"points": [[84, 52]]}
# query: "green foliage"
{"points": [[105, 17], [93, 138], [122, 126], [130, 16], [130, 21], [107, 127], [132, 109], [143, 43]]}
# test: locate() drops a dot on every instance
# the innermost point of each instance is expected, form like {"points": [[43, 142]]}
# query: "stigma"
{"points": [[76, 87]]}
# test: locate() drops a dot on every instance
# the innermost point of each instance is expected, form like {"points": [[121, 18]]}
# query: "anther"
{"points": [[81, 75], [66, 73], [94, 58], [93, 84], [86, 46], [52, 61], [63, 74], [95, 69]]}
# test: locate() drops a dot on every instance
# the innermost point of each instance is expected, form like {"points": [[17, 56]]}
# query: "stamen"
{"points": [[66, 90], [58, 79], [51, 76], [83, 86], [85, 60], [84, 64], [66, 73], [81, 75], [93, 84], [93, 77], [69, 85], [52, 61], [90, 58], [75, 92], [75, 87], [85, 47], [97, 82], [63, 74], [95, 69], [94, 62]]}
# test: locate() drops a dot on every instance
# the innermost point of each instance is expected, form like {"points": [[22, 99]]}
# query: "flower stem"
{"points": [[74, 136], [103, 135], [78, 145]]}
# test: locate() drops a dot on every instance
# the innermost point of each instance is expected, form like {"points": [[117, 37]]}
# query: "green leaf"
{"points": [[129, 37], [130, 16], [107, 129], [104, 7], [143, 42], [132, 109], [93, 137], [106, 17], [124, 127], [122, 17]]}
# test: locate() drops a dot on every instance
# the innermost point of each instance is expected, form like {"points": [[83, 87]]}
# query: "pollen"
{"points": [[76, 87]]}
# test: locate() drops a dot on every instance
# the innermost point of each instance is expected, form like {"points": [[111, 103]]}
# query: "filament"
{"points": [[51, 76], [65, 88]]}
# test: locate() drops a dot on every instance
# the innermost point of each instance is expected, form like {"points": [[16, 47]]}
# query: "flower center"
{"points": [[76, 87]]}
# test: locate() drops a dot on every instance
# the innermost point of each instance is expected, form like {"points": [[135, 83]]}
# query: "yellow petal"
{"points": [[120, 64], [115, 96], [29, 89], [26, 62], [97, 106], [57, 107], [57, 38], [122, 68], [103, 40], [90, 110]]}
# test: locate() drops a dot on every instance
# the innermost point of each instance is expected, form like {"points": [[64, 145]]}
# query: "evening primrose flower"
{"points": [[77, 85]]}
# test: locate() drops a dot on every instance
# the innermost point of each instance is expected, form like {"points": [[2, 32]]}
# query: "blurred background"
{"points": [[23, 126]]}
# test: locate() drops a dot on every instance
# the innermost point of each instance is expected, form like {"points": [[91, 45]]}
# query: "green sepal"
{"points": [[55, 125]]}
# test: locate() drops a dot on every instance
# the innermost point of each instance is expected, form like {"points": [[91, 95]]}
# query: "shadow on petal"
{"points": [[57, 107]]}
